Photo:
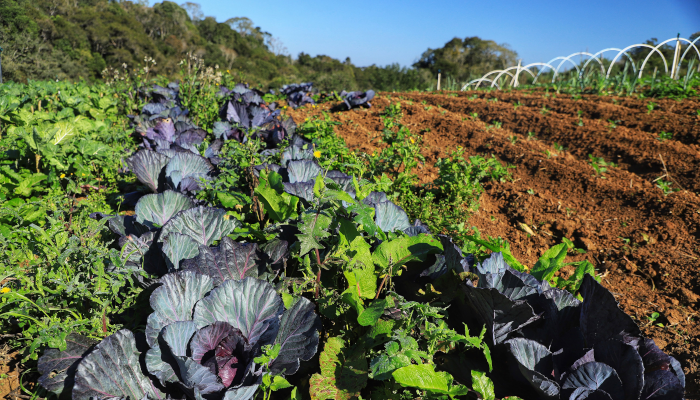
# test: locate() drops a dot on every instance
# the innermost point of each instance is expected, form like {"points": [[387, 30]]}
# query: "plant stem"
{"points": [[318, 275], [381, 286]]}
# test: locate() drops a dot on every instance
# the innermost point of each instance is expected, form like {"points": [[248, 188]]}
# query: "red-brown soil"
{"points": [[646, 244], [9, 373]]}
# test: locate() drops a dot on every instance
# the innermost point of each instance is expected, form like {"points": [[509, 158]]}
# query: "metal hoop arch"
{"points": [[602, 66], [512, 76], [688, 49], [556, 70], [597, 57], [491, 73], [479, 82], [580, 53], [653, 49]]}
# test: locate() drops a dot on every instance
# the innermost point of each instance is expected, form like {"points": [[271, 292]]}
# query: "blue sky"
{"points": [[387, 31]]}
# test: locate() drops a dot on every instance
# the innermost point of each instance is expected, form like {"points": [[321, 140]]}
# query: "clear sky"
{"points": [[387, 31]]}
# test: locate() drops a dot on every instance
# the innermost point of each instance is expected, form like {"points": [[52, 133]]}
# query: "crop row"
{"points": [[275, 264]]}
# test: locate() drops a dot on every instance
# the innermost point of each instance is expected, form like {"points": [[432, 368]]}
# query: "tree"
{"points": [[467, 59], [276, 46], [194, 10]]}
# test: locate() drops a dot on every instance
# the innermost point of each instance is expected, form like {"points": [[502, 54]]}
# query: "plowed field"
{"points": [[646, 244]]}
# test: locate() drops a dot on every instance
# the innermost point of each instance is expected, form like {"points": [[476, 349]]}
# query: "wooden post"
{"points": [[0, 65], [674, 69], [517, 73], [438, 86]]}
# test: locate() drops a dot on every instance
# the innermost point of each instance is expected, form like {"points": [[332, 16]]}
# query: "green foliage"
{"points": [[343, 371], [424, 377], [666, 187], [60, 141], [665, 136], [335, 154], [553, 260], [58, 276], [467, 59], [460, 178], [600, 166]]}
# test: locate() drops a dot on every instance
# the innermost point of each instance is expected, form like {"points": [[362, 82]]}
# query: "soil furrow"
{"points": [[638, 152], [684, 126]]}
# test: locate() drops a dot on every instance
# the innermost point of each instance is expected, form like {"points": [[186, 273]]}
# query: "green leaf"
{"points": [[365, 218], [424, 377], [232, 199], [314, 228], [319, 185], [343, 372], [483, 385], [354, 248], [551, 261], [351, 297], [278, 383], [396, 355], [512, 261], [63, 132], [404, 249], [279, 205], [363, 280], [574, 282], [353, 245], [331, 194], [26, 186], [372, 313]]}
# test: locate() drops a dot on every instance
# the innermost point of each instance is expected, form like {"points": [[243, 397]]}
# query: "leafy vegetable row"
{"points": [[241, 317]]}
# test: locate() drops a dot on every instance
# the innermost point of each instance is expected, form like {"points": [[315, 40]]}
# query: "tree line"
{"points": [[80, 39]]}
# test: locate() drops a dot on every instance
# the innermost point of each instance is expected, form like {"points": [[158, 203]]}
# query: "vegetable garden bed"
{"points": [[226, 250]]}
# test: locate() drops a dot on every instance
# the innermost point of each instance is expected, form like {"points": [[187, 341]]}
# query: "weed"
{"points": [[513, 139], [531, 136], [556, 146], [544, 110], [665, 187], [600, 166], [531, 191], [665, 136], [651, 319], [650, 107], [516, 105]]}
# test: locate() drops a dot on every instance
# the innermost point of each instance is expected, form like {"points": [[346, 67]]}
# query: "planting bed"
{"points": [[645, 244]]}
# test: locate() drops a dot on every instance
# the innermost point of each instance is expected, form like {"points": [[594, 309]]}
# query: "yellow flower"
{"points": [[412, 141], [83, 174], [226, 217], [63, 176], [317, 154], [228, 72], [5, 290]]}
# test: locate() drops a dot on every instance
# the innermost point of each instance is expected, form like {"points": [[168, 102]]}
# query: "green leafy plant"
{"points": [[666, 187], [665, 136], [600, 166], [650, 107]]}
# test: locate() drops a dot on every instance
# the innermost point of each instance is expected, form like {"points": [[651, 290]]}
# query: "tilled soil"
{"points": [[646, 244]]}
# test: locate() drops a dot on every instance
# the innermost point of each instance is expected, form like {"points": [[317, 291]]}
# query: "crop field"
{"points": [[589, 168], [207, 240]]}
